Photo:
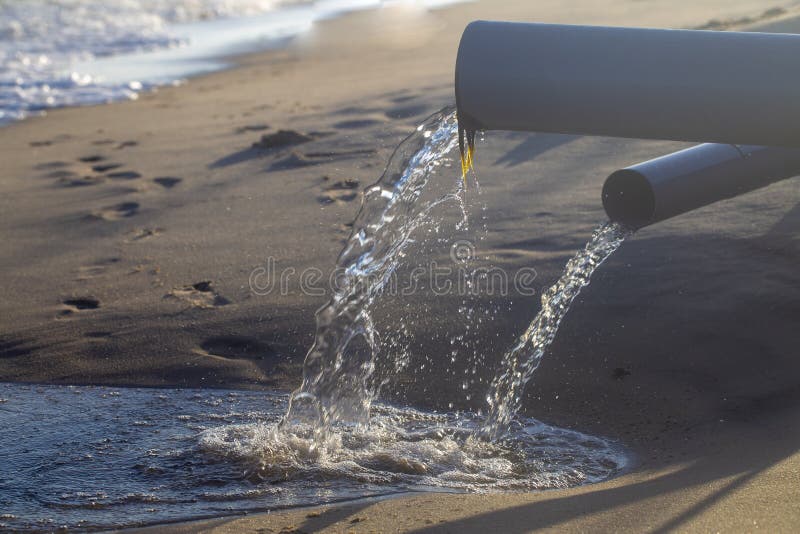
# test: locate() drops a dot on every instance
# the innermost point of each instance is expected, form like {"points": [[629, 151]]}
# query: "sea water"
{"points": [[56, 53]]}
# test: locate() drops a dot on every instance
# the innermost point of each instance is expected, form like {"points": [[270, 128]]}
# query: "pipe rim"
{"points": [[628, 198]]}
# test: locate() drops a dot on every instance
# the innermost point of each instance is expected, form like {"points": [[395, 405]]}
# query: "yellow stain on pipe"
{"points": [[467, 163], [466, 143]]}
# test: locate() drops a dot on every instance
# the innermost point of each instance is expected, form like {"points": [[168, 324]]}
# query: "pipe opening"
{"points": [[628, 198]]}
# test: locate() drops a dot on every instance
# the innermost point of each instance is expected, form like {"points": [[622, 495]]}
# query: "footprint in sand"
{"points": [[199, 295], [403, 99], [82, 303], [98, 268], [78, 305], [167, 182], [100, 166], [297, 159], [339, 192], [80, 181], [282, 139], [144, 233], [105, 167], [70, 174], [357, 124], [124, 175], [49, 142], [116, 212], [235, 348], [336, 197], [251, 128], [273, 142], [68, 178]]}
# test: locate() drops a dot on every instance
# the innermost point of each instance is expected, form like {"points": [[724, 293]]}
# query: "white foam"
{"points": [[74, 52], [409, 448]]}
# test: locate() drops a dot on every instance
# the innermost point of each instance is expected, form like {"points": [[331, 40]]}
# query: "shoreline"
{"points": [[711, 423], [187, 50]]}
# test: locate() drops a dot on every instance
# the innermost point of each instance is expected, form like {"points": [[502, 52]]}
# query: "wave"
{"points": [[56, 53]]}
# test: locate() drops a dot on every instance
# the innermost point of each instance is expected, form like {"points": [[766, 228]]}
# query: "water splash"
{"points": [[406, 449], [340, 381], [520, 363], [339, 376]]}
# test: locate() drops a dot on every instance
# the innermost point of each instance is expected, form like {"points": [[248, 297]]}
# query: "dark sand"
{"points": [[131, 230]]}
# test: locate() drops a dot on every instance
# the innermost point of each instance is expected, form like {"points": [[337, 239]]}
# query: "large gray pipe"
{"points": [[704, 86], [661, 188]]}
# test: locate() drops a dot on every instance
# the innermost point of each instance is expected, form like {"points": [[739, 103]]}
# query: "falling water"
{"points": [[339, 381], [520, 363]]}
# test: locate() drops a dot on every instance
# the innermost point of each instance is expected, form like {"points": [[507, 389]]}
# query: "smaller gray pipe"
{"points": [[664, 187]]}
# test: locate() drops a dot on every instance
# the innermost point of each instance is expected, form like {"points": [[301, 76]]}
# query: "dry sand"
{"points": [[683, 348]]}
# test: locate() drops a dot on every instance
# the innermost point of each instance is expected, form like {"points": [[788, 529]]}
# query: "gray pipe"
{"points": [[661, 188], [725, 87]]}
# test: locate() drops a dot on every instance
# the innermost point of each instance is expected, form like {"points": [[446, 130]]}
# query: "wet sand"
{"points": [[131, 232]]}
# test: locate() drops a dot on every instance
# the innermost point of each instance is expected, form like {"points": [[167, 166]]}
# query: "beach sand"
{"points": [[131, 231]]}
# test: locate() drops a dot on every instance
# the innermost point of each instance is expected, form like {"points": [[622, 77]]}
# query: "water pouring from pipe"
{"points": [[586, 83]]}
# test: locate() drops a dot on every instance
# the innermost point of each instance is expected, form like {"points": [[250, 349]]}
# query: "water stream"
{"points": [[520, 363], [339, 379]]}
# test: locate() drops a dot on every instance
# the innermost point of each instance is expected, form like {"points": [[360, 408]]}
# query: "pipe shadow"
{"points": [[788, 225], [556, 512], [533, 146]]}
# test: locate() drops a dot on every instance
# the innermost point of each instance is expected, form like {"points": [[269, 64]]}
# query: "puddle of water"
{"points": [[97, 457]]}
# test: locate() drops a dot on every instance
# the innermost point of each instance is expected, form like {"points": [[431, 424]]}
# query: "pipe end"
{"points": [[628, 199]]}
